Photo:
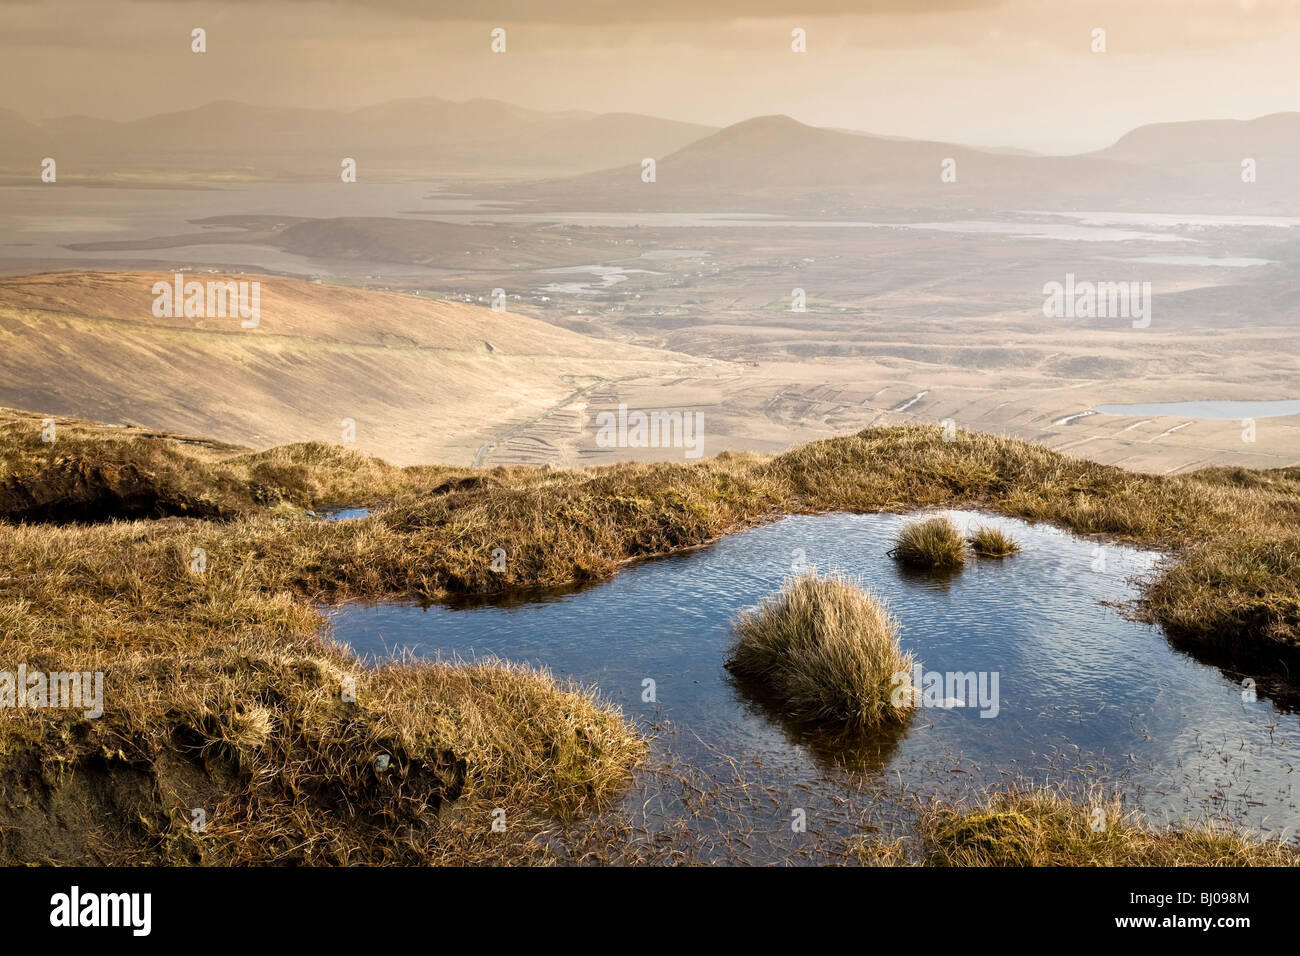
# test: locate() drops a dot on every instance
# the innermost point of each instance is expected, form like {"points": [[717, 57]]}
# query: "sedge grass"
{"points": [[828, 651], [990, 542], [929, 543]]}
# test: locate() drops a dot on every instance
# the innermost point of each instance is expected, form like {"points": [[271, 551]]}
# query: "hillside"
{"points": [[424, 380], [1209, 153], [1276, 136]]}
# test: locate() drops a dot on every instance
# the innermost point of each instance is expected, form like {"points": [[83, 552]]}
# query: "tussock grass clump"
{"points": [[828, 650], [932, 543], [990, 542], [1039, 827], [1247, 583], [89, 473]]}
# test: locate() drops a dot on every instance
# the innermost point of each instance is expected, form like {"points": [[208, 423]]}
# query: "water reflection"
{"points": [[1085, 694]]}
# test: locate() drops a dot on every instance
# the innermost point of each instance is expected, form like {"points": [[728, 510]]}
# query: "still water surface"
{"points": [[1084, 695], [1209, 409]]}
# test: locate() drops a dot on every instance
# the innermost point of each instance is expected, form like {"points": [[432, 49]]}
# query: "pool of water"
{"points": [[1083, 695], [1209, 410], [604, 277], [343, 514], [1178, 220], [1224, 262]]}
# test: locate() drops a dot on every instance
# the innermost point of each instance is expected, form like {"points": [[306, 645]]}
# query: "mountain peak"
{"points": [[771, 121]]}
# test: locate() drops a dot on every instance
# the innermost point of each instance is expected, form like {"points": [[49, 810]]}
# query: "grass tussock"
{"points": [[931, 543], [220, 692], [990, 542], [66, 470], [1041, 828], [828, 651]]}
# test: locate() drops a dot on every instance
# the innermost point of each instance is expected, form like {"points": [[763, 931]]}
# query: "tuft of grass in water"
{"points": [[990, 542], [828, 651], [930, 543], [1039, 827]]}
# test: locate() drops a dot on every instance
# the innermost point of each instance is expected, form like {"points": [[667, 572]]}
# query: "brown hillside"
{"points": [[424, 380]]}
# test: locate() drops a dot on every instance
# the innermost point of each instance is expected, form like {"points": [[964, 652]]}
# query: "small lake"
{"points": [[604, 277], [1018, 229], [1084, 695], [1221, 262], [1207, 410], [1174, 220]]}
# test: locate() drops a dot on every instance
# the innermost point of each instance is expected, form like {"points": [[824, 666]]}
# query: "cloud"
{"points": [[571, 12], [613, 12]]}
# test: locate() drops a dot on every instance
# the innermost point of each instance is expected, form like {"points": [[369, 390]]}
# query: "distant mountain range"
{"points": [[777, 164], [769, 162], [479, 138], [771, 159], [1210, 153]]}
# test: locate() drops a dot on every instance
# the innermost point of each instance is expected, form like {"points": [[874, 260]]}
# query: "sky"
{"points": [[1014, 73]]}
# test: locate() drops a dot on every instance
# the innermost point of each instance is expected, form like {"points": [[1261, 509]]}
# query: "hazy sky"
{"points": [[1014, 73]]}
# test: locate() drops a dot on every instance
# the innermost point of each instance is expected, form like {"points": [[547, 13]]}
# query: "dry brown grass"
{"points": [[90, 472], [930, 543], [827, 651], [220, 689], [1038, 827], [989, 542]]}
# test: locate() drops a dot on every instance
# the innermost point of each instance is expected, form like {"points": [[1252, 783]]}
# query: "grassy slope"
{"points": [[423, 379], [220, 691]]}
